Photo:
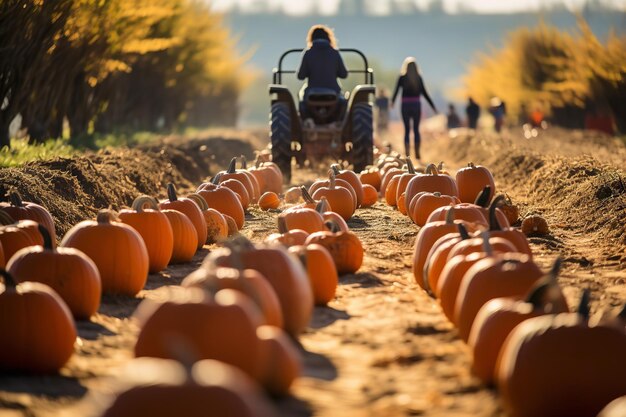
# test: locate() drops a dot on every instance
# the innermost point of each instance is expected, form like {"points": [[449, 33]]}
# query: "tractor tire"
{"points": [[280, 136], [362, 136]]}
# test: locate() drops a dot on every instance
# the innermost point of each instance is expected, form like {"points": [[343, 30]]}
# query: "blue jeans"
{"points": [[412, 111]]}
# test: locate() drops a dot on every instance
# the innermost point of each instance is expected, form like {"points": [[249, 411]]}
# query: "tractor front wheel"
{"points": [[362, 136], [280, 136]]}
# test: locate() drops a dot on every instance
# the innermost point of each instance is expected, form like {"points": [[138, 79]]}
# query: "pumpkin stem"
{"points": [[140, 203], [306, 196], [331, 178], [332, 226], [440, 166], [47, 240], [171, 192], [334, 168], [5, 218], [16, 199], [450, 215], [494, 224], [410, 166], [583, 306], [555, 269], [257, 162], [216, 179], [471, 165], [482, 199], [231, 166], [282, 225], [486, 244], [9, 282], [105, 216], [244, 162], [323, 205], [437, 194], [431, 169], [537, 293], [463, 231]]}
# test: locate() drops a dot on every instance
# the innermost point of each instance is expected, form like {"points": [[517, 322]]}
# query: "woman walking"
{"points": [[413, 88]]}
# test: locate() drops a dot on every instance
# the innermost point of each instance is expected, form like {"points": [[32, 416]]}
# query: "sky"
{"points": [[382, 7]]}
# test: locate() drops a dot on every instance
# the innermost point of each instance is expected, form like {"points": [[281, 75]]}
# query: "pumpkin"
{"points": [[154, 228], [284, 273], [244, 177], [432, 182], [388, 175], [344, 247], [370, 196], [321, 270], [225, 201], [185, 238], [404, 180], [460, 259], [535, 225], [323, 208], [306, 219], [340, 199], [269, 200], [18, 235], [238, 188], [510, 210], [190, 209], [427, 236], [24, 210], [249, 282], [511, 275], [353, 179], [509, 233], [37, 332], [436, 259], [163, 388], [69, 272], [326, 183], [216, 225], [293, 195], [471, 213], [497, 318], [117, 250], [287, 238], [281, 359], [256, 188], [425, 202], [471, 180], [402, 204], [268, 175], [221, 326], [232, 225], [561, 365], [391, 198], [371, 177]]}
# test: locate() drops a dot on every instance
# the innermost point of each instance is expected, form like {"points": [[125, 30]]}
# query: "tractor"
{"points": [[326, 124]]}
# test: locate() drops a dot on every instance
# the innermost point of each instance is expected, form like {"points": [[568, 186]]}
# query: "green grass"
{"points": [[22, 152]]}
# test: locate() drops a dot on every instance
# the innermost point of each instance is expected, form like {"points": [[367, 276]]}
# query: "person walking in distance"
{"points": [[413, 87], [473, 112]]}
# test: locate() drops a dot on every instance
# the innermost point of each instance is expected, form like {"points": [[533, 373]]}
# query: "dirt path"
{"points": [[382, 347]]}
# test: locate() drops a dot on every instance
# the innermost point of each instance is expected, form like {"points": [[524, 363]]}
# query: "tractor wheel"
{"points": [[362, 136], [280, 136]]}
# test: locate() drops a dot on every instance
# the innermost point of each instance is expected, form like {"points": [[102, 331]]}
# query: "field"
{"points": [[382, 346]]}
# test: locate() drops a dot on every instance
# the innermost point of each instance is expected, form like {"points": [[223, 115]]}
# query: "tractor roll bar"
{"points": [[278, 72]]}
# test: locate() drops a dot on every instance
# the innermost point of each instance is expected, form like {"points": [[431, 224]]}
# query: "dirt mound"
{"points": [[576, 192], [75, 189]]}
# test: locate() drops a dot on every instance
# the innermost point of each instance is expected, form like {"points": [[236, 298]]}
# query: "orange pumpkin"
{"points": [[250, 282], [344, 247], [436, 259], [238, 188], [425, 203], [391, 197], [321, 270], [404, 179], [19, 235], [293, 195], [24, 210], [535, 225], [69, 272], [287, 238], [543, 352], [163, 388], [269, 200], [353, 179], [471, 180], [216, 224], [37, 332], [388, 175], [370, 196], [306, 219], [340, 199], [326, 183], [371, 177], [256, 188], [284, 273], [469, 212], [268, 175], [509, 233], [497, 318], [190, 209], [323, 208], [281, 359], [154, 228], [244, 177], [184, 235], [117, 250], [432, 182], [225, 201], [511, 275]]}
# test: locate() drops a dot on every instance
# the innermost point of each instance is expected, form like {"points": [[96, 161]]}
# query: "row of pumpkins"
{"points": [[544, 360], [230, 327]]}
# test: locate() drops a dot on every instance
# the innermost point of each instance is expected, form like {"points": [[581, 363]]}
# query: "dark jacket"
{"points": [[322, 64], [409, 91]]}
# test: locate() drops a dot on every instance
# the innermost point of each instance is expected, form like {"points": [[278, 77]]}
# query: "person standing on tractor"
{"points": [[413, 87], [321, 63]]}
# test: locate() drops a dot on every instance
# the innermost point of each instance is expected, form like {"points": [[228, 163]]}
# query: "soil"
{"points": [[382, 346]]}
